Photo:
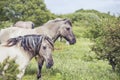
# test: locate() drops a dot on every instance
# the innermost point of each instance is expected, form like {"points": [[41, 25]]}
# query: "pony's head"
{"points": [[66, 32], [61, 28], [46, 51], [35, 45]]}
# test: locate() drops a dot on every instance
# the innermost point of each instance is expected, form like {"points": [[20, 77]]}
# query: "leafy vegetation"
{"points": [[104, 30], [107, 45], [8, 70], [26, 10]]}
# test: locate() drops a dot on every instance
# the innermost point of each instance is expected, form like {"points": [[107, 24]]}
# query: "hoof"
{"points": [[39, 76], [39, 79]]}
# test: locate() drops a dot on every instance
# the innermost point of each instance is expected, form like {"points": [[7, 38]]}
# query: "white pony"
{"points": [[24, 24], [53, 29], [23, 48]]}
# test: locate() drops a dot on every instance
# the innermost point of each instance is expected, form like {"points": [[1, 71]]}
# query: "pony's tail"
{"points": [[12, 41]]}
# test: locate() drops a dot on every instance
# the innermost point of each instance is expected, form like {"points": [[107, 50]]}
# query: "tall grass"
{"points": [[74, 62]]}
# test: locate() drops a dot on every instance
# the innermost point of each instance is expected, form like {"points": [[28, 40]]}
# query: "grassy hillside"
{"points": [[75, 62]]}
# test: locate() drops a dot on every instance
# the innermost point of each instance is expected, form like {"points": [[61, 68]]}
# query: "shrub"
{"points": [[107, 45], [10, 72], [26, 10], [5, 24]]}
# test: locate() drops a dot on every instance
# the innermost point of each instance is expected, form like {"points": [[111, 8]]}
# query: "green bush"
{"points": [[5, 24], [104, 30], [26, 10], [10, 72], [107, 45]]}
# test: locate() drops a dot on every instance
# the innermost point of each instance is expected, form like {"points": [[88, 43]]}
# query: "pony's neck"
{"points": [[27, 54], [51, 31]]}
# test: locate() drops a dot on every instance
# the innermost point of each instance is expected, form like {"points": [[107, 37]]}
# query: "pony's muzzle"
{"points": [[50, 63], [73, 41]]}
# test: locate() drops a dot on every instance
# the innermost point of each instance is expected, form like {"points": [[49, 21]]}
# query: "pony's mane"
{"points": [[30, 43], [58, 20]]}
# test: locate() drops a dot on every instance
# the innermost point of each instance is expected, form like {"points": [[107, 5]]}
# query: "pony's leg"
{"points": [[20, 75], [21, 71], [40, 61]]}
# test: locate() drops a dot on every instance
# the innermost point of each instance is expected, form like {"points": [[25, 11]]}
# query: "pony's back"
{"points": [[24, 24], [12, 32]]}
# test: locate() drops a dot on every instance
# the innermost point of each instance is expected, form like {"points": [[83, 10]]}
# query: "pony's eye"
{"points": [[67, 29], [44, 47]]}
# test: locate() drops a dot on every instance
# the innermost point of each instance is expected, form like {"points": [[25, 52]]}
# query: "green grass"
{"points": [[74, 62]]}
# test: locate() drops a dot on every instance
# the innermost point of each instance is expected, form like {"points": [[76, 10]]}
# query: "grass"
{"points": [[74, 62]]}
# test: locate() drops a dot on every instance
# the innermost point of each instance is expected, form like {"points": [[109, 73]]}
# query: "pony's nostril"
{"points": [[49, 65], [73, 41]]}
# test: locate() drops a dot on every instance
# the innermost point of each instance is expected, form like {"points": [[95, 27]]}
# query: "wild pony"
{"points": [[24, 24], [23, 48], [53, 29]]}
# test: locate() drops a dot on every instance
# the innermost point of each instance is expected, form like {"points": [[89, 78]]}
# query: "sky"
{"points": [[70, 6]]}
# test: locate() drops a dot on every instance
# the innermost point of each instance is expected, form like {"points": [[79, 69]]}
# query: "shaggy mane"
{"points": [[30, 43]]}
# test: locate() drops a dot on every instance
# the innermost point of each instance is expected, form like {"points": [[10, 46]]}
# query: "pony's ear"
{"points": [[65, 19], [68, 21], [57, 20], [50, 41], [11, 42]]}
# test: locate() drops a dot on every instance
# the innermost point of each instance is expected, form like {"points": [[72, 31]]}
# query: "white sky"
{"points": [[69, 6]]}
